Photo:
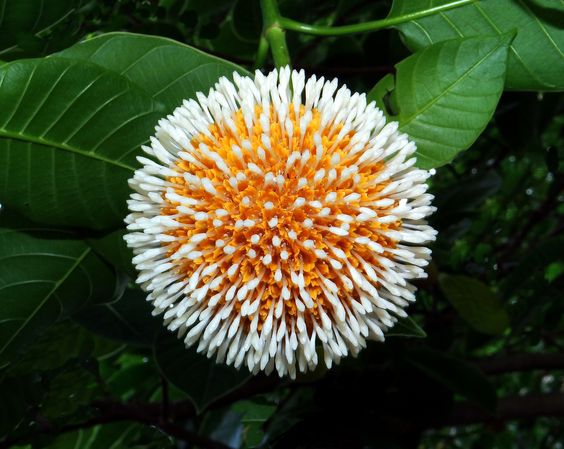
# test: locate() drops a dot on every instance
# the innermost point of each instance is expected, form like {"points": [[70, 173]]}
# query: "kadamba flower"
{"points": [[279, 221]]}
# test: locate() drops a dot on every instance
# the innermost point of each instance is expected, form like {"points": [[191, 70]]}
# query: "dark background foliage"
{"points": [[479, 365]]}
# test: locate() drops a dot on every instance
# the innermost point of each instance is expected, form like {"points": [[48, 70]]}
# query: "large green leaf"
{"points": [[72, 124], [45, 275], [476, 303], [21, 21], [68, 139], [536, 57], [200, 378], [164, 69], [447, 93]]}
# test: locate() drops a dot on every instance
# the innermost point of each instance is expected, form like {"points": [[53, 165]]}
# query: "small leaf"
{"points": [[447, 94], [223, 425], [254, 416], [476, 303], [406, 327], [201, 378], [456, 374], [137, 380], [536, 56]]}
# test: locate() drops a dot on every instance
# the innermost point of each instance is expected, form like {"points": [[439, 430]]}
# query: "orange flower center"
{"points": [[287, 213]]}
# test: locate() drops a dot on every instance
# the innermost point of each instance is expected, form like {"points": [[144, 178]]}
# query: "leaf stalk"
{"points": [[293, 25]]}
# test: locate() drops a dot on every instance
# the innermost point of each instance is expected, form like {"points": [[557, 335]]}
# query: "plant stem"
{"points": [[293, 25], [274, 33], [261, 53]]}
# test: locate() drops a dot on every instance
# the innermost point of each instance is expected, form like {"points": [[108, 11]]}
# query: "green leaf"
{"points": [[456, 374], [381, 92], [137, 381], [223, 425], [199, 377], [108, 436], [70, 389], [476, 303], [128, 319], [22, 20], [536, 57], [447, 94], [59, 344], [45, 274], [406, 327], [254, 417], [166, 70], [75, 123], [71, 131]]}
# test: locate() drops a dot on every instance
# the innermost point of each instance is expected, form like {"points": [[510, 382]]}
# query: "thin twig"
{"points": [[520, 362]]}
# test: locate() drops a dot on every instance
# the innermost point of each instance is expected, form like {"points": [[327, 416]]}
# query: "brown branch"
{"points": [[143, 413], [520, 362], [467, 413], [510, 408]]}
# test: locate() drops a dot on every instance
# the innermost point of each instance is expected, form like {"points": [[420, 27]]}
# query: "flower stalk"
{"points": [[274, 34]]}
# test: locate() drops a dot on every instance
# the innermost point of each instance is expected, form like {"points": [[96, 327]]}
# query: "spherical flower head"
{"points": [[279, 221]]}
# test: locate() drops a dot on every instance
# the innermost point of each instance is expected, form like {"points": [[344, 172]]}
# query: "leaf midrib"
{"points": [[57, 284], [448, 89], [5, 134]]}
